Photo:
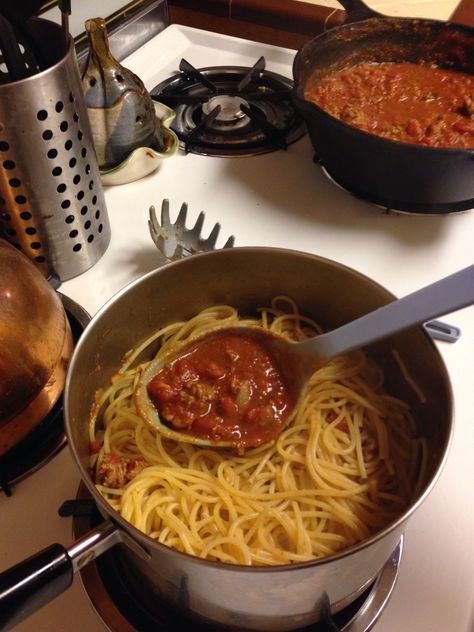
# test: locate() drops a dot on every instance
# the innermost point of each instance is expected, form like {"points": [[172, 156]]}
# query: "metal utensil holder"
{"points": [[52, 204]]}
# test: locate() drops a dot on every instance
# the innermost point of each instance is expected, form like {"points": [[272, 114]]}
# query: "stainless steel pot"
{"points": [[263, 598]]}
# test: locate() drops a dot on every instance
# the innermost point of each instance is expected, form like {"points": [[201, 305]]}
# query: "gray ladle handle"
{"points": [[447, 295]]}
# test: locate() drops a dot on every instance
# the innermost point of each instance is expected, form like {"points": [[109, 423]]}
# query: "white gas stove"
{"points": [[278, 199]]}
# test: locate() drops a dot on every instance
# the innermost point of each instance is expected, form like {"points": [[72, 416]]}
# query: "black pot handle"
{"points": [[26, 587], [357, 10]]}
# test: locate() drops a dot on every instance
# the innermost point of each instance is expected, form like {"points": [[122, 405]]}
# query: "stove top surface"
{"points": [[277, 199]]}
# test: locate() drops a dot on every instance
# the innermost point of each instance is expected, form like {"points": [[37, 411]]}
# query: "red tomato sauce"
{"points": [[411, 103], [223, 387]]}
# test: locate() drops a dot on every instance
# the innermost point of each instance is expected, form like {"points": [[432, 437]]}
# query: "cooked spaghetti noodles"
{"points": [[347, 464]]}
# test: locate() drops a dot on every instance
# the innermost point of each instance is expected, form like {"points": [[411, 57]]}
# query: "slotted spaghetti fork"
{"points": [[175, 241]]}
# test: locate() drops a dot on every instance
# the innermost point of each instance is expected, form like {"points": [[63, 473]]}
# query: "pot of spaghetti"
{"points": [[262, 538], [389, 105]]}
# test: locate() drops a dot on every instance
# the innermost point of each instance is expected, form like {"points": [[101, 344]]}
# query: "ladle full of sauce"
{"points": [[238, 387]]}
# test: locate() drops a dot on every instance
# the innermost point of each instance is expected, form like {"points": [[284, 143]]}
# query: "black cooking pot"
{"points": [[390, 173]]}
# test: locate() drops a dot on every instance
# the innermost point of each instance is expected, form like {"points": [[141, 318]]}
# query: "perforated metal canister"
{"points": [[52, 204]]}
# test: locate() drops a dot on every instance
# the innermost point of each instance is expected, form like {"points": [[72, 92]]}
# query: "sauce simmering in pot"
{"points": [[411, 103]]}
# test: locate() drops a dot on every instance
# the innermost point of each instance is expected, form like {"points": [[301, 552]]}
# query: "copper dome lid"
{"points": [[35, 344]]}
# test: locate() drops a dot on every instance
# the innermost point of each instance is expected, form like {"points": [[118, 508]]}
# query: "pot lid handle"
{"points": [[357, 10]]}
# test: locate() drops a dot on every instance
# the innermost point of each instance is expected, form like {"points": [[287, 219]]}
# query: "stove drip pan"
{"points": [[122, 610], [48, 438], [231, 110]]}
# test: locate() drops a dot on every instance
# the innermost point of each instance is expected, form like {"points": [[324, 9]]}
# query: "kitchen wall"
{"points": [[437, 9], [84, 9], [279, 22]]}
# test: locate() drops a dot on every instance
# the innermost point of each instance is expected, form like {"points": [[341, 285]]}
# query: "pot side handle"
{"points": [[357, 10], [33, 583], [26, 587]]}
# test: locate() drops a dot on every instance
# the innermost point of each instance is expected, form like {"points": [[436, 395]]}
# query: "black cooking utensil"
{"points": [[22, 44], [17, 68], [65, 8], [18, 11]]}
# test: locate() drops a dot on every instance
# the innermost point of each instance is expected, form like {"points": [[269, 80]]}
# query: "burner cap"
{"points": [[229, 109]]}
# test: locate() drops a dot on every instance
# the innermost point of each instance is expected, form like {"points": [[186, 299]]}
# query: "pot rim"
{"points": [[146, 540]]}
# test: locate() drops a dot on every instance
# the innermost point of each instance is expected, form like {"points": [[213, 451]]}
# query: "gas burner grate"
{"points": [[40, 445], [231, 110], [120, 607]]}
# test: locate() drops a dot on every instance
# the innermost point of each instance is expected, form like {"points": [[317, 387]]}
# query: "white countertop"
{"points": [[436, 9]]}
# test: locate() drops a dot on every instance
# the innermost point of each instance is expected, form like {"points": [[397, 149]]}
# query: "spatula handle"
{"points": [[442, 297]]}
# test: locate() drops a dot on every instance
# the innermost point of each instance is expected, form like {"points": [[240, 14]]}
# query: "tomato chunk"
{"points": [[225, 386]]}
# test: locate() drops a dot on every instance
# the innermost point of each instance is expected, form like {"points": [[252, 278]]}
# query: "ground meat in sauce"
{"points": [[411, 103], [116, 471], [226, 387]]}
